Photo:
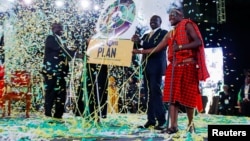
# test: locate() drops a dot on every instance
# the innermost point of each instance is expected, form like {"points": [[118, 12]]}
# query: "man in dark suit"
{"points": [[154, 66], [97, 92], [55, 69], [94, 106], [225, 101]]}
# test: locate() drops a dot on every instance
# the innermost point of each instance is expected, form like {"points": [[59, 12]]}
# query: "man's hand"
{"points": [[136, 51], [176, 47], [135, 38], [245, 99]]}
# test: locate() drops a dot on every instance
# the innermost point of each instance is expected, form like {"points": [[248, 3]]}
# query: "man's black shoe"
{"points": [[160, 127], [147, 125]]}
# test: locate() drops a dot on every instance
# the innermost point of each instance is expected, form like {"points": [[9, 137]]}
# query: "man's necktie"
{"points": [[150, 34]]}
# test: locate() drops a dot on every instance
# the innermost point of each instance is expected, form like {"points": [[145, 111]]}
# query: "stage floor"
{"points": [[116, 127]]}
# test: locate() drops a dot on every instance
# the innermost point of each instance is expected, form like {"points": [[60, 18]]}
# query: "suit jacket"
{"points": [[155, 62], [223, 97], [56, 58]]}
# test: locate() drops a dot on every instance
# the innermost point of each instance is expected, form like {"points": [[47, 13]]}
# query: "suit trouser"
{"points": [[55, 93], [156, 110], [95, 77]]}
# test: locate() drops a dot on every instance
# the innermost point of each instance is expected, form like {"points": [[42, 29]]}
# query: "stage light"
{"points": [[59, 3], [28, 1], [85, 4], [96, 7]]}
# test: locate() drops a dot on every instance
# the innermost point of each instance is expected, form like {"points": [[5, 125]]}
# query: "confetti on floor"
{"points": [[116, 127]]}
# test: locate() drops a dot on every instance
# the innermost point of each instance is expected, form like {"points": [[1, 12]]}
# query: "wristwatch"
{"points": [[180, 47]]}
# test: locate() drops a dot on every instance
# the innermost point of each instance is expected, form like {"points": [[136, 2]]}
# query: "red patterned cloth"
{"points": [[182, 83], [181, 37], [1, 84], [185, 85]]}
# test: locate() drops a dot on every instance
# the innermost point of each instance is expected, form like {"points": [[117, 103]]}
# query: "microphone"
{"points": [[136, 37], [138, 31]]}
